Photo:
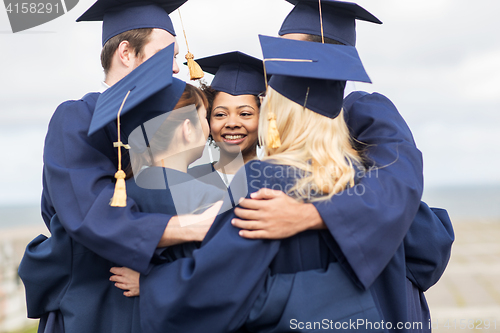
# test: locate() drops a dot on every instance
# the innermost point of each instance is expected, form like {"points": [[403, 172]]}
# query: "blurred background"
{"points": [[437, 60]]}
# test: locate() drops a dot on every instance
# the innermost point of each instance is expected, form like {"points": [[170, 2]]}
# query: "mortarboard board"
{"points": [[236, 73], [144, 93], [337, 20], [312, 74], [118, 16]]}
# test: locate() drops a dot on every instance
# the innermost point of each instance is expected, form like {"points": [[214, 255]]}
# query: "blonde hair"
{"points": [[320, 148]]}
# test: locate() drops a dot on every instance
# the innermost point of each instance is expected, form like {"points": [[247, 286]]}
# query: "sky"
{"points": [[437, 60]]}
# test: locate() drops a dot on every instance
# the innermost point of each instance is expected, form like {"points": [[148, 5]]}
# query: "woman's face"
{"points": [[234, 122], [202, 114]]}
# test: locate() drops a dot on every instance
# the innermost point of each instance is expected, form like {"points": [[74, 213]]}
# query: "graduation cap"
{"points": [[329, 18], [236, 73], [118, 16], [310, 74], [134, 100]]}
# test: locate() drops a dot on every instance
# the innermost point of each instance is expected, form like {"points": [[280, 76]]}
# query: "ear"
{"points": [[187, 130], [126, 54]]}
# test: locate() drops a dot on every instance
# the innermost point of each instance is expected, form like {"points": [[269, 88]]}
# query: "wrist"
{"points": [[173, 234], [311, 215]]}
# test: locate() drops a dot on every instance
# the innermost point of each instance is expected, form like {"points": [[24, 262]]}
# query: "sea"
{"points": [[466, 203]]}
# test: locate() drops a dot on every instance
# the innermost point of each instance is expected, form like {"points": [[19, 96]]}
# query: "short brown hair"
{"points": [[192, 95], [137, 39], [318, 39]]}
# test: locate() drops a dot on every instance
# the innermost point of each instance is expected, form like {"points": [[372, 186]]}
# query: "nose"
{"points": [[175, 67], [232, 122]]}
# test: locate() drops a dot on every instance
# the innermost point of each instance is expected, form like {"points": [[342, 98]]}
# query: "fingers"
{"points": [[118, 278], [256, 234], [247, 214], [266, 193], [123, 286], [252, 204], [118, 270], [131, 293], [248, 225]]}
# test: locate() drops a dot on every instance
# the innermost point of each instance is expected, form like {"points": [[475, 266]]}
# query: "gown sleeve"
{"points": [[78, 185], [369, 221], [428, 246], [46, 270]]}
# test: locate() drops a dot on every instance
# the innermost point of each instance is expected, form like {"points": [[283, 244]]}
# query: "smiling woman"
{"points": [[234, 122], [233, 113]]}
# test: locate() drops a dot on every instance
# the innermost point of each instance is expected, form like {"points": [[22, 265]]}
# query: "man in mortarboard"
{"points": [[367, 229], [78, 180]]}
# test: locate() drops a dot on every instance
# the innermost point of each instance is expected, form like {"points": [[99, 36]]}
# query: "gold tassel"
{"points": [[119, 198], [273, 135], [195, 71]]}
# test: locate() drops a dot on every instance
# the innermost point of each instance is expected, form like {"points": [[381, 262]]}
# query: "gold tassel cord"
{"points": [[119, 198], [195, 71], [321, 23]]}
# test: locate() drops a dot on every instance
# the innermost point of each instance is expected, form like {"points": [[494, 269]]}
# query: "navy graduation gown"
{"points": [[368, 225], [151, 190], [207, 174], [78, 184], [68, 288], [428, 246], [218, 287]]}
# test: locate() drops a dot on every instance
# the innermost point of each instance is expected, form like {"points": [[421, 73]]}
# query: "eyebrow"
{"points": [[245, 106], [220, 106], [238, 107]]}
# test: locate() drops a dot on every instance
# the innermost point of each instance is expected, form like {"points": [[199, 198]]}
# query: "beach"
{"points": [[13, 241], [467, 297]]}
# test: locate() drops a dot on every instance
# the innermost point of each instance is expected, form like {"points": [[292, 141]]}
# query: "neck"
{"points": [[116, 74], [175, 162]]}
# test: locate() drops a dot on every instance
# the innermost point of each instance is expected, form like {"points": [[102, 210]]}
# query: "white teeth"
{"points": [[234, 137]]}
